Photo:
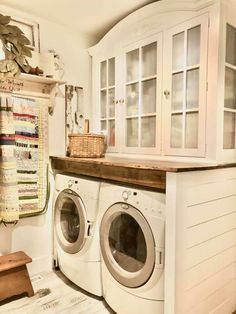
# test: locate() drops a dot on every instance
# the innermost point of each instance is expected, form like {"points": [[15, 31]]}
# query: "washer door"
{"points": [[127, 245], [70, 221]]}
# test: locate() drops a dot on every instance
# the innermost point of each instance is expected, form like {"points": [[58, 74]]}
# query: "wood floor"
{"points": [[54, 294]]}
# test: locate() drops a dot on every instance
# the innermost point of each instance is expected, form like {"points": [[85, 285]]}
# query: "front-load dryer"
{"points": [[76, 231], [132, 246]]}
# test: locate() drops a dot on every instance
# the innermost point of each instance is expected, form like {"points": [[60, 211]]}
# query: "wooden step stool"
{"points": [[14, 277]]}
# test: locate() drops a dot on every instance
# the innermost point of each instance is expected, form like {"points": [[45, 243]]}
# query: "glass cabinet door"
{"points": [[185, 87], [230, 90], [107, 100], [142, 90]]}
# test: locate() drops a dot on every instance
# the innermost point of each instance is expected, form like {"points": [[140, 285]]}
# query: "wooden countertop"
{"points": [[147, 173]]}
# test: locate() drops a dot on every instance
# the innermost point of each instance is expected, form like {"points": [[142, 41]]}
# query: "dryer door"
{"points": [[70, 221], [127, 245]]}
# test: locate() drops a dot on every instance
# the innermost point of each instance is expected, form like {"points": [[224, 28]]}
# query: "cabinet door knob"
{"points": [[117, 101], [167, 93]]}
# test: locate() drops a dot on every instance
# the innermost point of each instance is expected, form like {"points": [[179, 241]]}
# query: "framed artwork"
{"points": [[31, 31]]}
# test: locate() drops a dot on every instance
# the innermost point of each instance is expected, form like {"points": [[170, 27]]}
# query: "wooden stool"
{"points": [[14, 277]]}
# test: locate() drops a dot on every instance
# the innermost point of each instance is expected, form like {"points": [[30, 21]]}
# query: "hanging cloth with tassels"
{"points": [[23, 157], [9, 200]]}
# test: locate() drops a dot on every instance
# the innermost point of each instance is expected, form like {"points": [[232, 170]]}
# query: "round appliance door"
{"points": [[127, 245], [70, 221]]}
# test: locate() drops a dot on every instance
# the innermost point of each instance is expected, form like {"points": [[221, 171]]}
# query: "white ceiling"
{"points": [[94, 17]]}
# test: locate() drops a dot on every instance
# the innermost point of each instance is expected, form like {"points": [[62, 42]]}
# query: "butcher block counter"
{"points": [[146, 173]]}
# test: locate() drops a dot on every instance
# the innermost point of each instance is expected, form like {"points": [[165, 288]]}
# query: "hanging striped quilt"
{"points": [[9, 202], [29, 156]]}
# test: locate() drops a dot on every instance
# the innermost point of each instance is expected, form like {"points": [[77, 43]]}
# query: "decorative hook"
{"points": [[7, 224]]}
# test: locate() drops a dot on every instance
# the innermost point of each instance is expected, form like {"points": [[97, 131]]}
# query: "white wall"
{"points": [[33, 235]]}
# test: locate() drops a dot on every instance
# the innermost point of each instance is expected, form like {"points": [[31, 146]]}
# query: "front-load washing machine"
{"points": [[132, 246], [76, 231]]}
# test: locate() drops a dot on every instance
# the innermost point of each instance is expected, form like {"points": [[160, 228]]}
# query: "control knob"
{"points": [[125, 195], [70, 183]]}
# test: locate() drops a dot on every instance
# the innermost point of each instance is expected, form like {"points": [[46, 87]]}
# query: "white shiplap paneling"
{"points": [[204, 247]]}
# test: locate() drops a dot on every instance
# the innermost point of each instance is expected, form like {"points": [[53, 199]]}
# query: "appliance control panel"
{"points": [[71, 183], [147, 202], [126, 194]]}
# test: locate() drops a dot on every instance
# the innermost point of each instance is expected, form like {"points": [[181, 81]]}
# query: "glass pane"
{"points": [[103, 103], [177, 91], [176, 130], [230, 88], [132, 64], [229, 130], [148, 132], [231, 45], [132, 98], [103, 74], [111, 73], [194, 42], [178, 51], [149, 60], [192, 97], [191, 131], [103, 125], [111, 102], [149, 96], [69, 218], [132, 132], [111, 134], [127, 243]]}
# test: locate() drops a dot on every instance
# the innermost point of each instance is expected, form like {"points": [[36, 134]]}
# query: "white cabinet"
{"points": [[144, 74], [164, 81], [230, 89], [107, 98], [141, 96], [130, 97], [185, 87]]}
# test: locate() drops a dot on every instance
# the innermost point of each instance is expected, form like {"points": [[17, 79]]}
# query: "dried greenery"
{"points": [[15, 46]]}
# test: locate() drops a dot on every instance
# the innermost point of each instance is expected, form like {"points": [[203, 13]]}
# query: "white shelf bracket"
{"points": [[52, 99]]}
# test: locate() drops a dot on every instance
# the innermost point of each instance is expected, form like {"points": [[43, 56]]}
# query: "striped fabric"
{"points": [[9, 205], [24, 130]]}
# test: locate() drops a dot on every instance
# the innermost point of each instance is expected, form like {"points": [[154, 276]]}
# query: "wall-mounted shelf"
{"points": [[40, 79], [32, 86]]}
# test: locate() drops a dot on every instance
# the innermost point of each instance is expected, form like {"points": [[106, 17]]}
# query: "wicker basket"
{"points": [[86, 145]]}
